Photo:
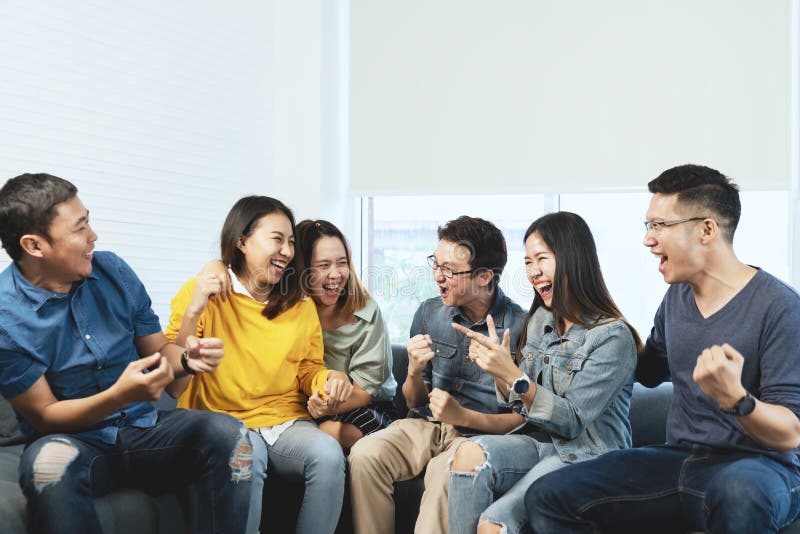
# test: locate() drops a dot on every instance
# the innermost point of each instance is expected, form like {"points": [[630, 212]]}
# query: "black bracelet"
{"points": [[185, 364]]}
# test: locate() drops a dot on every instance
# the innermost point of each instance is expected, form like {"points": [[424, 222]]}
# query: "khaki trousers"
{"points": [[401, 452]]}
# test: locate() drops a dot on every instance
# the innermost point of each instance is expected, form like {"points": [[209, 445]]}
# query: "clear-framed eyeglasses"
{"points": [[447, 272]]}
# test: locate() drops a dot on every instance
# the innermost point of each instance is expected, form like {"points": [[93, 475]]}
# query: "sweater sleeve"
{"points": [[311, 371], [178, 308]]}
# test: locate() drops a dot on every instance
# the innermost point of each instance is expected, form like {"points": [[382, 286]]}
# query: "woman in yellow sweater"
{"points": [[273, 358]]}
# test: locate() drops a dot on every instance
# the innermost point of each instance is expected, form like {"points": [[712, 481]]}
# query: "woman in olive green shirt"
{"points": [[354, 336]]}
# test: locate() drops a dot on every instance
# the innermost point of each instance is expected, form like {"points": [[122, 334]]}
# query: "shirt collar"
{"points": [[576, 333], [367, 312], [238, 287], [35, 295]]}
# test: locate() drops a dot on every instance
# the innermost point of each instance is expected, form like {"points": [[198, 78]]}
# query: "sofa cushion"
{"points": [[10, 433]]}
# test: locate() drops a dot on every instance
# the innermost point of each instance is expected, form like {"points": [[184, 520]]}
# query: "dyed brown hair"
{"points": [[355, 296]]}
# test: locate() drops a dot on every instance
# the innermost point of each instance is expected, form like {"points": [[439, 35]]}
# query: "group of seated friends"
{"points": [[279, 357]]}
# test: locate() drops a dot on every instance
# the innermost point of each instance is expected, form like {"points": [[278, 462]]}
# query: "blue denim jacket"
{"points": [[451, 369], [584, 385]]}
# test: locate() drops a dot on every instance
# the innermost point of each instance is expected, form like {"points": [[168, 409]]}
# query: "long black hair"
{"points": [[578, 284], [241, 222]]}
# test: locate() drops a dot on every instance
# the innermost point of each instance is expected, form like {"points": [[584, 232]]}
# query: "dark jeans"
{"points": [[667, 489], [60, 474]]}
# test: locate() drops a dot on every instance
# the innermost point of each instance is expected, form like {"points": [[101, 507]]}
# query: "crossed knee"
{"points": [[468, 458], [52, 462]]}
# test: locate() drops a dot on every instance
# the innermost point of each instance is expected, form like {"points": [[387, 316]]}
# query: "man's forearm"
{"points": [[48, 415], [415, 391], [772, 425]]}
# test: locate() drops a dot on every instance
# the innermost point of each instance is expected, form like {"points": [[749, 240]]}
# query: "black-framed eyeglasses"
{"points": [[657, 226], [447, 272]]}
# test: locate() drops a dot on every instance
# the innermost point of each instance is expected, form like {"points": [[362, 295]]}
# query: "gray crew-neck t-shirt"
{"points": [[762, 322]]}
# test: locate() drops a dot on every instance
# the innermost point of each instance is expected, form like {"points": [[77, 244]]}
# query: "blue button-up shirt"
{"points": [[80, 341], [451, 369]]}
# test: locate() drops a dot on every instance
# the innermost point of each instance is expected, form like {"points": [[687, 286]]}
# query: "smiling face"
{"points": [[267, 251], [540, 267], [330, 270], [66, 257], [674, 246]]}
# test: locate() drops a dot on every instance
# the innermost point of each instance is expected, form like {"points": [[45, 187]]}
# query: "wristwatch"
{"points": [[744, 406], [185, 364], [521, 385]]}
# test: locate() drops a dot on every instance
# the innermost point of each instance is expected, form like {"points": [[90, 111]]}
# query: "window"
{"points": [[403, 233]]}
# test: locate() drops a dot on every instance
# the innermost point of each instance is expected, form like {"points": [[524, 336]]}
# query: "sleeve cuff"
{"points": [[24, 382], [366, 384], [542, 406], [318, 384], [501, 400]]}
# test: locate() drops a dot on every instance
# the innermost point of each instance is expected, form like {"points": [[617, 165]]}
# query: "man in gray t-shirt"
{"points": [[728, 335]]}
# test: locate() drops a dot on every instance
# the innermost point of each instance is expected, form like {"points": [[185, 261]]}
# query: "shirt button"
{"points": [[572, 456], [87, 336], [123, 415], [547, 359], [98, 366]]}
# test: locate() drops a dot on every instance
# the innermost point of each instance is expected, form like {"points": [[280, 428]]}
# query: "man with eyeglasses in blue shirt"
{"points": [[81, 356], [453, 396], [728, 336]]}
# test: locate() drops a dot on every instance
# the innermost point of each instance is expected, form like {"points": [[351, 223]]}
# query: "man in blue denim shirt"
{"points": [[454, 396], [728, 335], [81, 356]]}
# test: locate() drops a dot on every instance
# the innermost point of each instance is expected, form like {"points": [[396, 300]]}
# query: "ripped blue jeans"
{"points": [[513, 463], [60, 474]]}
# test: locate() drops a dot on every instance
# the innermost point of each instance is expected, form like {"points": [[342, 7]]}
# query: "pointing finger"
{"points": [[491, 329]]}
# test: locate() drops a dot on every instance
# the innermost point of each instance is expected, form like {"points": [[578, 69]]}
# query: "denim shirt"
{"points": [[451, 369], [80, 341], [584, 384]]}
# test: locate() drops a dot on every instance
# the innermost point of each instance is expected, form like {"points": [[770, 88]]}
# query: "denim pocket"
{"points": [[564, 371], [443, 361]]}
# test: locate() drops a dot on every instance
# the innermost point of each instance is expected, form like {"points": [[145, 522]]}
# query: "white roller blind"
{"points": [[160, 113], [533, 95]]}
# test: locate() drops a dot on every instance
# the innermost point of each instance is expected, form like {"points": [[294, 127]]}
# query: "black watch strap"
{"points": [[743, 406], [185, 364]]}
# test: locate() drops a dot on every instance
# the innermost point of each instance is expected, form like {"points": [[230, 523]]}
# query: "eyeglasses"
{"points": [[657, 226], [447, 272]]}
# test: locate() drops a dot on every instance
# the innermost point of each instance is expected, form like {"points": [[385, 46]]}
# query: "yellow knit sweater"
{"points": [[270, 366]]}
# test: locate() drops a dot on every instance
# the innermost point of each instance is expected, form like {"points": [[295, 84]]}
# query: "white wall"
{"points": [[163, 114], [526, 96]]}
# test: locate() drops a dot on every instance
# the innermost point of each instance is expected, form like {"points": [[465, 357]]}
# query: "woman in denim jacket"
{"points": [[571, 385]]}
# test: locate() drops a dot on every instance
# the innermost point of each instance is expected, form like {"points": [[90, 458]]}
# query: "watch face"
{"points": [[521, 386], [746, 405]]}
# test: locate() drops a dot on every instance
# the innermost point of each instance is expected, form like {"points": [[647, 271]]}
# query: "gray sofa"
{"points": [[135, 512]]}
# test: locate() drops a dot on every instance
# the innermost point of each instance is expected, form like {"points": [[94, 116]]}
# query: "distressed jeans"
{"points": [[513, 463], [667, 489], [60, 474], [305, 454]]}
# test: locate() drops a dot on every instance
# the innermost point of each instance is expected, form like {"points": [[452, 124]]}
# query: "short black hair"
{"points": [[485, 242], [28, 205], [704, 188]]}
